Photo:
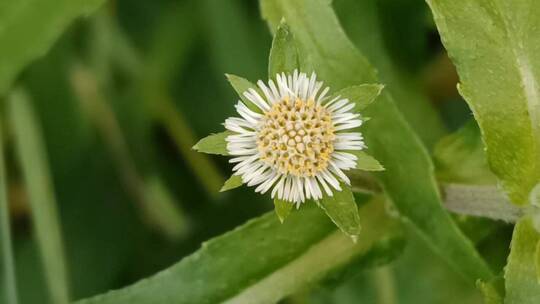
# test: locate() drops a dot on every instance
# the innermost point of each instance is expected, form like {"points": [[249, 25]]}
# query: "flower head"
{"points": [[296, 140]]}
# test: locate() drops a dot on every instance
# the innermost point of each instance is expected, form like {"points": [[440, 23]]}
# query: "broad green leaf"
{"points": [[30, 27], [362, 95], [213, 144], [366, 162], [342, 210], [33, 161], [283, 54], [494, 46], [282, 209], [522, 285], [7, 263], [241, 85], [460, 157], [264, 261], [408, 179], [233, 182]]}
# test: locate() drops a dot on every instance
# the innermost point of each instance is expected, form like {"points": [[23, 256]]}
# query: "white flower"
{"points": [[296, 143]]}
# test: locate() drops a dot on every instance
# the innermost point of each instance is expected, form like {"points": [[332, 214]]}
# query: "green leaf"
{"points": [[522, 286], [282, 209], [366, 162], [277, 260], [388, 135], [7, 263], [460, 157], [33, 160], [233, 182], [362, 95], [44, 21], [342, 210], [213, 144], [490, 292], [241, 85], [283, 54], [495, 49]]}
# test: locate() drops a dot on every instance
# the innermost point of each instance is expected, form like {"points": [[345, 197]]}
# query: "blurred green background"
{"points": [[125, 93]]}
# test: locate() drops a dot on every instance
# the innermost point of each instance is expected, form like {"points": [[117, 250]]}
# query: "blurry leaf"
{"points": [[522, 285], [7, 263], [43, 21], [275, 259], [33, 161], [233, 182], [490, 292], [363, 22], [241, 85], [342, 210], [460, 157], [213, 144], [366, 162], [494, 47], [283, 54], [388, 135], [282, 209], [362, 95]]}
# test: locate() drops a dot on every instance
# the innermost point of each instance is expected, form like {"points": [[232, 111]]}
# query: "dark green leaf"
{"points": [[362, 95], [264, 261], [213, 144]]}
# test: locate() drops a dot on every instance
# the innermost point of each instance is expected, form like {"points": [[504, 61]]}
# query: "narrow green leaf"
{"points": [[282, 209], [213, 144], [283, 54], [362, 95], [495, 49], [241, 85], [342, 210], [33, 160], [522, 286], [460, 157], [7, 264], [275, 259], [388, 135], [233, 182], [366, 162], [44, 21]]}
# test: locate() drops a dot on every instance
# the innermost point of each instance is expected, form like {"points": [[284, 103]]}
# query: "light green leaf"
{"points": [[233, 182], [241, 85], [366, 162], [7, 263], [277, 260], [283, 54], [522, 286], [43, 21], [495, 49], [388, 135], [490, 292], [213, 144], [460, 157], [362, 95], [282, 209], [342, 210], [33, 160]]}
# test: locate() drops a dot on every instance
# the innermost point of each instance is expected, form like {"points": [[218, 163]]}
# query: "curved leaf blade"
{"points": [[213, 144], [342, 210], [283, 54], [494, 46]]}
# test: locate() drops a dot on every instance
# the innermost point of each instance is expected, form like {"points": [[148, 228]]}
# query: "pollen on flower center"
{"points": [[296, 137]]}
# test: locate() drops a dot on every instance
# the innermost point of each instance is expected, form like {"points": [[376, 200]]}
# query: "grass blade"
{"points": [[33, 161]]}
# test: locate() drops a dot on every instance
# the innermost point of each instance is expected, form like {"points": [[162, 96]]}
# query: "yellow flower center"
{"points": [[296, 137]]}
